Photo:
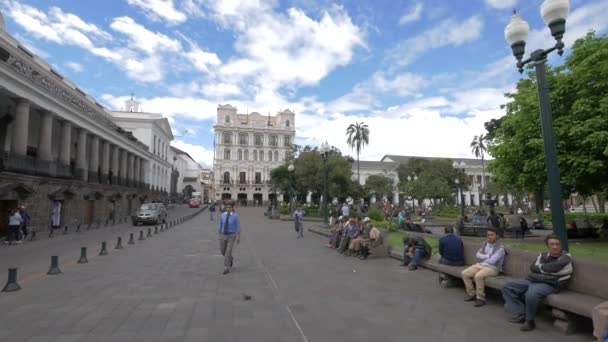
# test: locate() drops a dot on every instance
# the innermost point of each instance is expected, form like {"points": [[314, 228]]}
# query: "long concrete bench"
{"points": [[587, 288], [375, 251]]}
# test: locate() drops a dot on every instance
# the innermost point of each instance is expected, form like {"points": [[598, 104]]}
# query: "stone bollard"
{"points": [[104, 249], [131, 239], [11, 284], [118, 243], [78, 228], [149, 232], [65, 230], [141, 235], [83, 256], [155, 229], [54, 269], [33, 236]]}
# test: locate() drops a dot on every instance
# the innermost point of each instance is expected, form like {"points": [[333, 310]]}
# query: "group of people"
{"points": [[352, 236], [549, 273], [513, 222], [18, 222]]}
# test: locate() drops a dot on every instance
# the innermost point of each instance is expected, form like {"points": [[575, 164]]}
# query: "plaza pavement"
{"points": [[170, 288]]}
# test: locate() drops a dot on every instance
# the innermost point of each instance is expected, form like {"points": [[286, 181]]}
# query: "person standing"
{"points": [[298, 218], [229, 230], [14, 222], [212, 211], [514, 224], [26, 221]]}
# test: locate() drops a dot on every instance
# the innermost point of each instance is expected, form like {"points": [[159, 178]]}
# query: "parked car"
{"points": [[153, 213], [195, 203]]}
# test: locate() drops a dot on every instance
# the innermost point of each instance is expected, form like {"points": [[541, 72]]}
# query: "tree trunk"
{"points": [[483, 178], [539, 199], [593, 202], [358, 170], [601, 202]]}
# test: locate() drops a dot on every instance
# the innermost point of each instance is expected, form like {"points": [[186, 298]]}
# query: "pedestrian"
{"points": [[229, 230], [14, 222], [212, 211], [514, 224], [26, 221], [298, 217]]}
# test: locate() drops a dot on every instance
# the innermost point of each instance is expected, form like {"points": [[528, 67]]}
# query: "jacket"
{"points": [[495, 258], [553, 270]]}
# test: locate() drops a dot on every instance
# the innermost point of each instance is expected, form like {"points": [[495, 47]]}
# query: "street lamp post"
{"points": [[554, 13], [324, 150], [460, 196], [409, 179], [291, 168]]}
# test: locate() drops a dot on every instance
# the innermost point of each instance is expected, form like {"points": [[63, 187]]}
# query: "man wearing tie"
{"points": [[229, 230]]}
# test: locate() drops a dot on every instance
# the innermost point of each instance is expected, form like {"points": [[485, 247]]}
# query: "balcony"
{"points": [[33, 166]]}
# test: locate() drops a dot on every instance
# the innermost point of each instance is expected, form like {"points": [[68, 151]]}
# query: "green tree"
{"points": [[436, 179], [479, 149], [379, 185], [358, 137]]}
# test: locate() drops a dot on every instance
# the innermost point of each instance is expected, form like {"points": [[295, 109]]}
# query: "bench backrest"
{"points": [[589, 277]]}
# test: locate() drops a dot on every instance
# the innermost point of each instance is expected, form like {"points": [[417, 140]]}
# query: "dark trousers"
{"points": [[344, 243], [450, 262], [24, 231], [13, 234], [419, 254], [523, 297]]}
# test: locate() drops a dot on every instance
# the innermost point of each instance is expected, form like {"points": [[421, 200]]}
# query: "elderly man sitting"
{"points": [[355, 244]]}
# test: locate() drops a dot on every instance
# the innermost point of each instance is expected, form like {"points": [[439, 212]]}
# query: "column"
{"points": [[142, 172], [21, 128], [136, 179], [66, 143], [115, 167], [130, 169], [105, 161], [123, 167], [94, 160], [46, 136], [82, 166]]}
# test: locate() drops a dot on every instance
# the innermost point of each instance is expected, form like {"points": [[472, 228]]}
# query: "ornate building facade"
{"points": [[246, 148], [62, 153]]}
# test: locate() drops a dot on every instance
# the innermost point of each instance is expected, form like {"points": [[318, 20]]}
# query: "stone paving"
{"points": [[170, 288]]}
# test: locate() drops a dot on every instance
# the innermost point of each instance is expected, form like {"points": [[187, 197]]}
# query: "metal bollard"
{"points": [[83, 256], [104, 249], [11, 284], [149, 232], [118, 243], [131, 239], [155, 229], [54, 269], [141, 235], [65, 230]]}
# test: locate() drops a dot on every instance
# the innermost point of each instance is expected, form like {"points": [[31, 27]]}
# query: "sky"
{"points": [[424, 75]]}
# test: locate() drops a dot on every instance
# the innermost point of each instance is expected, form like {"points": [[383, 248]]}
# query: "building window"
{"points": [[255, 155], [227, 119], [227, 154], [287, 123], [286, 141], [261, 155], [239, 154], [243, 139], [246, 154], [154, 146], [269, 155], [227, 138], [258, 178], [226, 177], [274, 140], [259, 140], [276, 155], [242, 178]]}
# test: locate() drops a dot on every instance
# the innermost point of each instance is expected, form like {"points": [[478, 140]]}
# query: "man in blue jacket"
{"points": [[451, 249], [229, 230]]}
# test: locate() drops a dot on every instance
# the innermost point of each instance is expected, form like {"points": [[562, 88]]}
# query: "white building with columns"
{"points": [[246, 148], [187, 173], [63, 155], [155, 131]]}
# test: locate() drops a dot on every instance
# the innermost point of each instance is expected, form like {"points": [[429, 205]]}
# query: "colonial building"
{"points": [[247, 147], [63, 156], [155, 132], [387, 166], [188, 174]]}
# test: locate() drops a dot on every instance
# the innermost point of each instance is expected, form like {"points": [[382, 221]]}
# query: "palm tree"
{"points": [[479, 148], [358, 137]]}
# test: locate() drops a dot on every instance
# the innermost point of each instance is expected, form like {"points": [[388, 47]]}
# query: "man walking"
{"points": [[212, 211], [298, 217], [229, 229]]}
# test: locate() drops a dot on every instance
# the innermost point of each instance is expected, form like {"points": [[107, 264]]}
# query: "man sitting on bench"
{"points": [[414, 252], [549, 273], [490, 259], [451, 249], [375, 240]]}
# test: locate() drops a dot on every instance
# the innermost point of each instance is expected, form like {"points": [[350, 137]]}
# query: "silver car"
{"points": [[153, 213]]}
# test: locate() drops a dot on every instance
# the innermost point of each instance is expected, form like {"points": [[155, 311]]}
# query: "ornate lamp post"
{"points": [[554, 13], [291, 168], [460, 196], [409, 179], [324, 150]]}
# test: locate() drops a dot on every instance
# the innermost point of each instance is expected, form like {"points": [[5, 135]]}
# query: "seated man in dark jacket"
{"points": [[415, 250], [549, 272], [451, 249]]}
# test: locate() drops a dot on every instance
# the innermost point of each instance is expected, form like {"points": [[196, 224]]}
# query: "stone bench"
{"points": [[587, 288]]}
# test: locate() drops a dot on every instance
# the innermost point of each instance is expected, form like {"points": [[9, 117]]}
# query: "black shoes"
{"points": [[469, 298], [517, 319], [528, 326], [226, 271], [479, 303]]}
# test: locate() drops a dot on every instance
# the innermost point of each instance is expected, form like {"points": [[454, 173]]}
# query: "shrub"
{"points": [[284, 211], [375, 214]]}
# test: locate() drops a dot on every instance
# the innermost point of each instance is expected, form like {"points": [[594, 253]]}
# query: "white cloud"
{"points": [[160, 9], [501, 4], [447, 32], [413, 14], [199, 153], [144, 39], [77, 67]]}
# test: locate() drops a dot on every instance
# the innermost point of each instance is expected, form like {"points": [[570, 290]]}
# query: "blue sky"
{"points": [[424, 75]]}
